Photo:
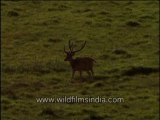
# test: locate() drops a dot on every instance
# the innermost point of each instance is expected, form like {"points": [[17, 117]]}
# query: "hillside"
{"points": [[123, 38]]}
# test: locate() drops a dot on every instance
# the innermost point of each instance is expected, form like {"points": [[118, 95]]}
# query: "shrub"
{"points": [[13, 14], [132, 23]]}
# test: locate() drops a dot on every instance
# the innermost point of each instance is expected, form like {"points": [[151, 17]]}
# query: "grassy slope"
{"points": [[33, 66]]}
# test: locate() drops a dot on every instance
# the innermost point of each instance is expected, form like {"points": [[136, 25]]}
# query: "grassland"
{"points": [[122, 36]]}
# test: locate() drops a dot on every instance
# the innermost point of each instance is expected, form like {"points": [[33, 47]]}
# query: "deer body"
{"points": [[80, 63]]}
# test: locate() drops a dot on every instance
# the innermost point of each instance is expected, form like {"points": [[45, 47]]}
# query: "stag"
{"points": [[79, 64]]}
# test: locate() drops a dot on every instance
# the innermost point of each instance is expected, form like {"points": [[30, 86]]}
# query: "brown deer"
{"points": [[80, 63]]}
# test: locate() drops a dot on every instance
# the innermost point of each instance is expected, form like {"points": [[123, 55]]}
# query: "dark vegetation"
{"points": [[140, 70]]}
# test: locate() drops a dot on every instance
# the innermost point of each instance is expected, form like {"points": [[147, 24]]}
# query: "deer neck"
{"points": [[72, 61]]}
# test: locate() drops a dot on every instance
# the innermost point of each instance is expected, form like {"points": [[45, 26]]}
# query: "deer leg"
{"points": [[89, 74], [73, 72], [92, 73], [80, 73]]}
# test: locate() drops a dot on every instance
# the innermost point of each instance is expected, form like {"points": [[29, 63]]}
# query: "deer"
{"points": [[79, 64]]}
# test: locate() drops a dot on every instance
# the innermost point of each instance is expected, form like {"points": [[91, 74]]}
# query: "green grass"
{"points": [[121, 36]]}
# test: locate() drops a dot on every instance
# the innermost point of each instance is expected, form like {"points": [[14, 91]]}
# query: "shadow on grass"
{"points": [[133, 24], [100, 77], [48, 112], [139, 70], [92, 115], [87, 79]]}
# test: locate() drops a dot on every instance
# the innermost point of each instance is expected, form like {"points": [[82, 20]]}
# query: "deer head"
{"points": [[72, 52]]}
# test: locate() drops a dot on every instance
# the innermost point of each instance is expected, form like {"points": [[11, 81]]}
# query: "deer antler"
{"points": [[70, 46], [81, 47], [65, 50]]}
